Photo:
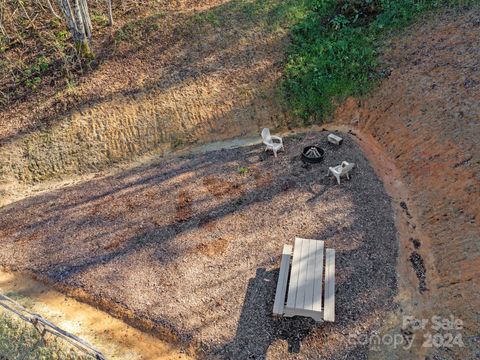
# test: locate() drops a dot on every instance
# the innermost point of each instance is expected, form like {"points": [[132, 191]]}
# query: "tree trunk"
{"points": [[2, 11], [78, 18], [110, 13], [85, 16], [79, 24], [52, 10]]}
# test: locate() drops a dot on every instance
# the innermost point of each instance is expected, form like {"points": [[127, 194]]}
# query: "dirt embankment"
{"points": [[426, 119], [189, 72], [421, 127]]}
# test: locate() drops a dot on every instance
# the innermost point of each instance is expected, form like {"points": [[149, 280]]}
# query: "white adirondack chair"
{"points": [[341, 170], [271, 145]]}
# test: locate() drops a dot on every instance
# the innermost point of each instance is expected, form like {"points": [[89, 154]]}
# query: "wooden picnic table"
{"points": [[302, 278]]}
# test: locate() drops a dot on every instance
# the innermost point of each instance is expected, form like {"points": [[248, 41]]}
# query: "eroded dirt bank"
{"points": [[426, 119], [176, 79]]}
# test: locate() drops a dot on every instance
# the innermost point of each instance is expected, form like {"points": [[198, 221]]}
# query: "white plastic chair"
{"points": [[341, 170], [271, 145]]}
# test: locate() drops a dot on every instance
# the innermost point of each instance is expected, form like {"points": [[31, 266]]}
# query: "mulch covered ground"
{"points": [[194, 244]]}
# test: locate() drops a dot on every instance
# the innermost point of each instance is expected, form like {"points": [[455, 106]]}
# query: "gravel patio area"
{"points": [[193, 244]]}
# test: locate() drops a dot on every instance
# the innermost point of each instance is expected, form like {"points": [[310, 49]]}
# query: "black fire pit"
{"points": [[312, 154]]}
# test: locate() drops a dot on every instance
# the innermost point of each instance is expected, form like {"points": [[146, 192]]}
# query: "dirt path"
{"points": [[114, 338]]}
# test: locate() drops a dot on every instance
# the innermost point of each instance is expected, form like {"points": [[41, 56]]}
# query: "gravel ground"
{"points": [[193, 244]]}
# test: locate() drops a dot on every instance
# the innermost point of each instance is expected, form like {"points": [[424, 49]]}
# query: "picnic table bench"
{"points": [[302, 285]]}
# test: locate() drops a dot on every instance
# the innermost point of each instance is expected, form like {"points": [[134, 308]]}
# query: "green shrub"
{"points": [[333, 52], [33, 74], [99, 19], [243, 170]]}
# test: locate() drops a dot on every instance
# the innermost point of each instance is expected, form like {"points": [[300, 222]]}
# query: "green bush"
{"points": [[33, 74], [333, 52], [243, 170]]}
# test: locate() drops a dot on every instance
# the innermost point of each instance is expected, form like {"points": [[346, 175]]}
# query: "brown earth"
{"points": [[190, 247], [420, 132], [112, 337], [210, 75], [426, 118]]}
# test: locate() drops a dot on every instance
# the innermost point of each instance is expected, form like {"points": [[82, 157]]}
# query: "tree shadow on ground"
{"points": [[359, 296], [122, 239], [257, 328], [172, 61]]}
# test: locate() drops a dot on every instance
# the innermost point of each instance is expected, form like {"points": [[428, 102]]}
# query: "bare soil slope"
{"points": [[166, 75], [192, 217], [426, 117]]}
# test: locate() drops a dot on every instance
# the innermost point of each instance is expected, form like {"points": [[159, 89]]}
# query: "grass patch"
{"points": [[139, 29], [205, 17], [99, 19], [243, 170], [334, 50], [263, 15], [19, 340]]}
